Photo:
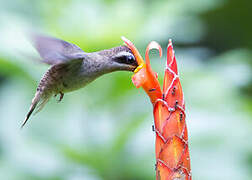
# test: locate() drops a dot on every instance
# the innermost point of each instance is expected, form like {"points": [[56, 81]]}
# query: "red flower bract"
{"points": [[172, 153]]}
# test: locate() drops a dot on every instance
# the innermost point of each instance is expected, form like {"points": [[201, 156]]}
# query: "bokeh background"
{"points": [[103, 132]]}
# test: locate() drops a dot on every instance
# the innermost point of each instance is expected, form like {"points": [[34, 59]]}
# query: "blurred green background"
{"points": [[103, 132]]}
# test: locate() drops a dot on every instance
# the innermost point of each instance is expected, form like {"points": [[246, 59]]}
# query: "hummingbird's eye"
{"points": [[126, 59], [130, 59]]}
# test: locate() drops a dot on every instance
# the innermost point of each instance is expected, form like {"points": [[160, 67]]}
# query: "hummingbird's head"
{"points": [[120, 58], [125, 60]]}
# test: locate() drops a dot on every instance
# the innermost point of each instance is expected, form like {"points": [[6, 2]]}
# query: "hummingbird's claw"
{"points": [[61, 96]]}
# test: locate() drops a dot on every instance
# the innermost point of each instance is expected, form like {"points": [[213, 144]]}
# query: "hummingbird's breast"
{"points": [[70, 76], [73, 76], [76, 75]]}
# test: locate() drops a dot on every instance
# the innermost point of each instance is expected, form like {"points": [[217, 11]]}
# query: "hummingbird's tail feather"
{"points": [[34, 103], [38, 102], [41, 105]]}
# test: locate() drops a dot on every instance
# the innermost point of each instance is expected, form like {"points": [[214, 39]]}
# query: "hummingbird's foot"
{"points": [[61, 96]]}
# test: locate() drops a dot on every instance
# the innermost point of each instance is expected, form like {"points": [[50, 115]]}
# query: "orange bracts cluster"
{"points": [[172, 153]]}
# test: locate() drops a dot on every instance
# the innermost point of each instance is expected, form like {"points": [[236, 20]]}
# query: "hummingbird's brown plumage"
{"points": [[72, 68]]}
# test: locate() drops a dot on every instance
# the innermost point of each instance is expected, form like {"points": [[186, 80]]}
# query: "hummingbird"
{"points": [[72, 68]]}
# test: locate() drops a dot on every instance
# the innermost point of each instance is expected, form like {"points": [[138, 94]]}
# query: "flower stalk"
{"points": [[172, 153]]}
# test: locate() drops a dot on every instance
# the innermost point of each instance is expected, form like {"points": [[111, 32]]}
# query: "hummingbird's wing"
{"points": [[55, 51]]}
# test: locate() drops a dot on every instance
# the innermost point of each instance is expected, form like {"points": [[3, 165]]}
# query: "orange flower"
{"points": [[172, 153], [144, 76]]}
